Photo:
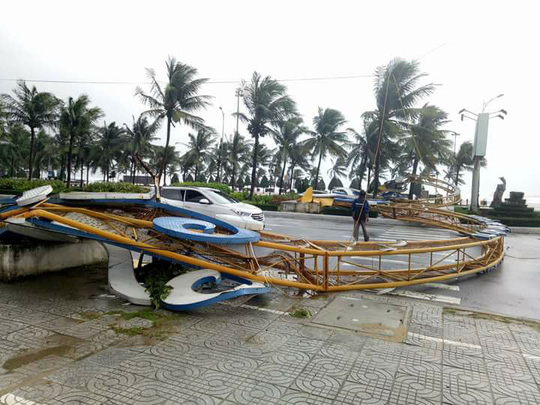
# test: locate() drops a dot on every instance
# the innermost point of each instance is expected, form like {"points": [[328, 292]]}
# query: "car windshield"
{"points": [[220, 197]]}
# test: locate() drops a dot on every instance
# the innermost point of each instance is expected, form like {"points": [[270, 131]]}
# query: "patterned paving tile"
{"points": [[410, 388], [318, 384], [354, 393], [257, 392], [419, 353], [467, 398], [460, 380], [292, 397], [521, 392], [337, 367], [30, 337], [46, 364], [78, 375], [515, 368], [471, 363], [277, 374], [366, 374]]}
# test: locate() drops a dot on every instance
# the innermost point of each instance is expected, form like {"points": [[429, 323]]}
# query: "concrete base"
{"points": [[365, 316], [27, 260], [294, 206]]}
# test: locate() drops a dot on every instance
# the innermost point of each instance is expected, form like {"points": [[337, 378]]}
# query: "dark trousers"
{"points": [[360, 222]]}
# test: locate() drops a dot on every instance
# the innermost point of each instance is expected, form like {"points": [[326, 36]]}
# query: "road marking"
{"points": [[11, 399], [445, 341], [427, 297], [272, 311], [443, 286]]}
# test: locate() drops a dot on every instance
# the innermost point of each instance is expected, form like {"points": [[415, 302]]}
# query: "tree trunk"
{"points": [[88, 174], [162, 170], [31, 157], [315, 187], [82, 173], [233, 176], [368, 178], [12, 166], [62, 166], [292, 177], [457, 175], [254, 169], [70, 152], [415, 168], [282, 176]]}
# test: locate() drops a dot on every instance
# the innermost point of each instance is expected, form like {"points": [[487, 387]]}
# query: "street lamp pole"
{"points": [[238, 94], [455, 139], [480, 143], [221, 143]]}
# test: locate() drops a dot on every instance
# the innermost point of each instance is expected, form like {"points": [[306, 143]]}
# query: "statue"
{"points": [[498, 194]]}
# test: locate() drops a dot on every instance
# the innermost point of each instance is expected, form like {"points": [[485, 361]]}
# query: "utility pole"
{"points": [[480, 144], [238, 94], [220, 145]]}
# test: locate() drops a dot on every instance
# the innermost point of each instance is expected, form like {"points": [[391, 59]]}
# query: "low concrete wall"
{"points": [[25, 260], [294, 206]]}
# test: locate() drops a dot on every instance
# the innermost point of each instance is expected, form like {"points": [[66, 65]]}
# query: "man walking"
{"points": [[360, 213]]}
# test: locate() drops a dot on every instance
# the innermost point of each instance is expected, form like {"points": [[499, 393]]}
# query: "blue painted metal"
{"points": [[180, 228], [212, 298]]}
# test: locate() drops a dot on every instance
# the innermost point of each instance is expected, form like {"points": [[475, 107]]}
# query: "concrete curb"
{"points": [[524, 230]]}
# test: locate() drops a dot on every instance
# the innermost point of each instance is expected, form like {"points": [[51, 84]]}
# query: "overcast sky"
{"points": [[473, 49]]}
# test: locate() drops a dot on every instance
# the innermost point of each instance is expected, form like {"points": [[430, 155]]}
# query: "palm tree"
{"points": [[238, 151], [166, 158], [77, 119], [267, 103], [327, 139], [177, 101], [199, 147], [286, 135], [425, 141], [464, 161], [396, 94], [338, 168], [14, 148], [108, 148], [33, 109], [140, 137]]}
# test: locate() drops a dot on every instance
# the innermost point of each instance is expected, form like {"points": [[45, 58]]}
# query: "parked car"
{"points": [[216, 204], [345, 191]]}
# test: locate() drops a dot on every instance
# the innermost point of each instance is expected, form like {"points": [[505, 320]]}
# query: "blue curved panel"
{"points": [[184, 298], [181, 228]]}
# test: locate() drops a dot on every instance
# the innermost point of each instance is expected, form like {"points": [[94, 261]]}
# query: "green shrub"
{"points": [[116, 188], [222, 187], [240, 196], [17, 186]]}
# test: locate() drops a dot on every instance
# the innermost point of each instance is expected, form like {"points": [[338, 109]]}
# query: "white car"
{"points": [[216, 204]]}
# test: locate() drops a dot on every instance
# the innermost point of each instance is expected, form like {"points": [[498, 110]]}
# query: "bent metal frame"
{"points": [[295, 262]]}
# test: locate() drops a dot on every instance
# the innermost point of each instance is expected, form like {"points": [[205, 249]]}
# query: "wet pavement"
{"points": [[65, 340]]}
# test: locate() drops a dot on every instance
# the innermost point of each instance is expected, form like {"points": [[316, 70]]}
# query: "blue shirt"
{"points": [[360, 208]]}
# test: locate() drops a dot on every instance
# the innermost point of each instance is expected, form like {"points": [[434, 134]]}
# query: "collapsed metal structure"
{"points": [[282, 260]]}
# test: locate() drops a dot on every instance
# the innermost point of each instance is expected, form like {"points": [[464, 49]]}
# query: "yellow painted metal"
{"points": [[319, 265]]}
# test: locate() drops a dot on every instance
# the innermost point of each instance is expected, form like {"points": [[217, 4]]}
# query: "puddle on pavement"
{"points": [[56, 344]]}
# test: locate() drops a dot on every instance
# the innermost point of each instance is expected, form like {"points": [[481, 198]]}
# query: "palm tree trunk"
{"points": [[317, 173], [233, 176], [31, 157], [62, 166], [12, 166], [292, 175], [162, 170], [87, 174], [282, 175], [457, 175], [82, 173], [415, 168], [70, 152], [368, 178], [254, 169]]}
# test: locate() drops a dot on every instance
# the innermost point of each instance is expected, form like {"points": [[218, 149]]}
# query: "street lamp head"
{"points": [[461, 111]]}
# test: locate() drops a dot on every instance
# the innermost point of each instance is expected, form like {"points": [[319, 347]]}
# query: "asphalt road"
{"points": [[512, 289]]}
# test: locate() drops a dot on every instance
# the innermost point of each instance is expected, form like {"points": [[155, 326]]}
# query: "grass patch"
{"points": [[90, 315], [491, 317], [161, 328], [301, 313], [133, 331]]}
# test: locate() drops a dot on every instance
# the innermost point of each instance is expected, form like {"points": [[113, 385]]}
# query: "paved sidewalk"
{"points": [[65, 340]]}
